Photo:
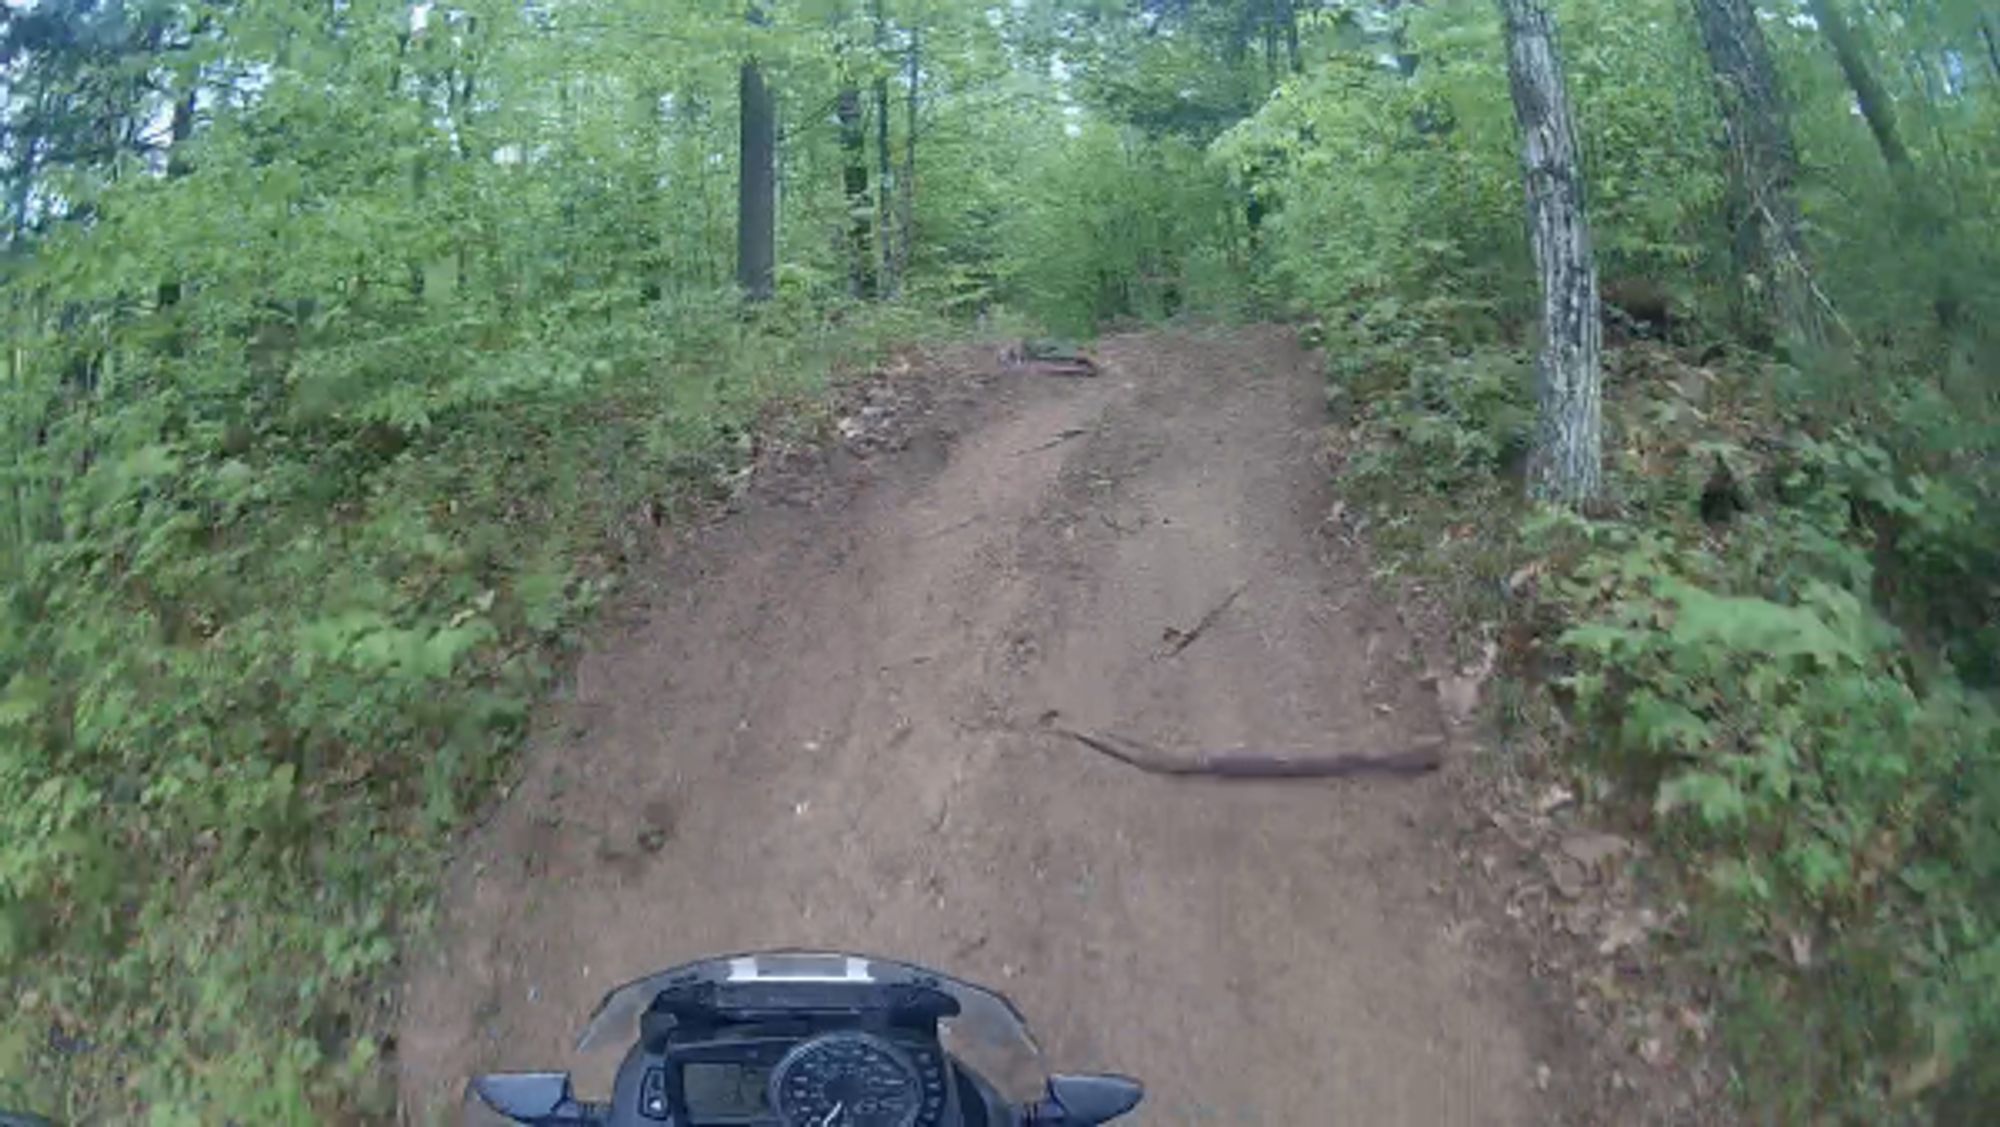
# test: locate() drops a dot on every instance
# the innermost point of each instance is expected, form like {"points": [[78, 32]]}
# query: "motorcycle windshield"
{"points": [[988, 1033]]}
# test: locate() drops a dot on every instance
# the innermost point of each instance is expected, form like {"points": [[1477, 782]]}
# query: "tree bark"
{"points": [[1773, 274], [1876, 108], [1291, 10], [854, 179], [179, 129], [906, 226], [1269, 20], [1565, 466], [757, 186], [1992, 44], [885, 189], [885, 207]]}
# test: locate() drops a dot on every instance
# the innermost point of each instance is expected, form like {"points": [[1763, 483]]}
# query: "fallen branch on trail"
{"points": [[1058, 440], [1047, 358], [1177, 639], [1421, 758]]}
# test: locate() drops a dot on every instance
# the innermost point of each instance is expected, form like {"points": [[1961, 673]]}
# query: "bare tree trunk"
{"points": [[885, 187], [1876, 108], [854, 163], [1291, 15], [757, 186], [1773, 273], [1923, 214], [906, 234], [1269, 20], [885, 190], [179, 128], [1566, 464], [458, 87]]}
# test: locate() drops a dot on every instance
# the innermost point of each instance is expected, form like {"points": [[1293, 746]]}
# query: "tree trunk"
{"points": [[180, 128], [1923, 215], [1291, 10], [1269, 20], [1876, 108], [1773, 274], [854, 179], [757, 187], [906, 226], [885, 189], [1566, 464], [1992, 44], [885, 162]]}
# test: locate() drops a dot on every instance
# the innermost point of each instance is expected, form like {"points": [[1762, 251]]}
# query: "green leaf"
{"points": [[1717, 800]]}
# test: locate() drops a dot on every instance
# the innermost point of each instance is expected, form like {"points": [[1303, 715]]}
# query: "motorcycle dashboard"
{"points": [[846, 1078]]}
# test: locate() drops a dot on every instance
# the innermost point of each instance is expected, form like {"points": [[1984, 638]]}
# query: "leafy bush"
{"points": [[1113, 226], [1456, 420], [1779, 637], [248, 684], [1787, 691], [1835, 802]]}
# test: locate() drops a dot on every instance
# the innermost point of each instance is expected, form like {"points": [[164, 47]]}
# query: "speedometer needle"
{"points": [[833, 1116]]}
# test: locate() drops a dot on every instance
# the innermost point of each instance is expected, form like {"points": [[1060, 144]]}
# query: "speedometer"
{"points": [[846, 1080]]}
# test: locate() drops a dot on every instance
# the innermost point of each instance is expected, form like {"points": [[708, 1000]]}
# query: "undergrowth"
{"points": [[1773, 656], [259, 664]]}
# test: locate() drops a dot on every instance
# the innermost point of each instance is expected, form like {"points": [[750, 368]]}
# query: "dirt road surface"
{"points": [[826, 730]]}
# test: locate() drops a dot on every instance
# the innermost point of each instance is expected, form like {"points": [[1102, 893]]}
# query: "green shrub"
{"points": [[1833, 801], [248, 683], [1450, 420], [1788, 692]]}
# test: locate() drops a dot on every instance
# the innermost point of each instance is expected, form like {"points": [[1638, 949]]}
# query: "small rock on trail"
{"points": [[821, 732]]}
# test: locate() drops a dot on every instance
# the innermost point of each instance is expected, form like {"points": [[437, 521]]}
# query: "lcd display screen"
{"points": [[727, 1091]]}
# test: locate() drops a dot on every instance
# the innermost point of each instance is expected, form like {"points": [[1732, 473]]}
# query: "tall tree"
{"points": [[1292, 49], [885, 188], [85, 82], [757, 185], [1566, 464], [1773, 278], [854, 183], [1869, 96], [1923, 215], [906, 234]]}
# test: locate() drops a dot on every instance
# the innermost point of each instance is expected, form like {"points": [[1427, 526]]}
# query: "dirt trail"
{"points": [[824, 733]]}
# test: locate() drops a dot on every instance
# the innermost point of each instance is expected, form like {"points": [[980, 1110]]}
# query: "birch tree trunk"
{"points": [[1773, 273], [1566, 465], [757, 186]]}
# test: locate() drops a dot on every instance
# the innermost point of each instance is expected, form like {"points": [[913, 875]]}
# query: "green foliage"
{"points": [[1828, 794], [1781, 635], [246, 692], [350, 348], [1113, 226], [1380, 183], [325, 425], [1449, 423]]}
